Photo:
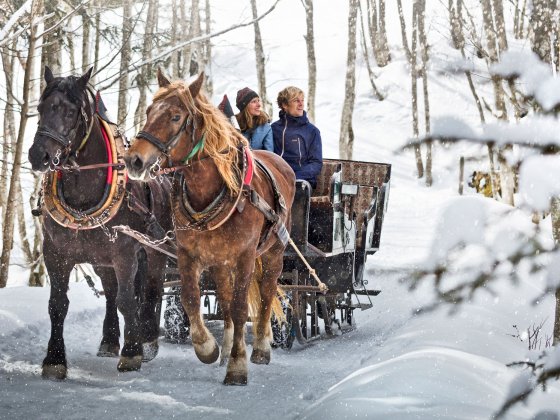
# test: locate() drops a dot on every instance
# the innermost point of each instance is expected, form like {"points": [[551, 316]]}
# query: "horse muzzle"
{"points": [[138, 166], [40, 158]]}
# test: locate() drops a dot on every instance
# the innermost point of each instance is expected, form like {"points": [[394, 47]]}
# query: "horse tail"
{"points": [[254, 298]]}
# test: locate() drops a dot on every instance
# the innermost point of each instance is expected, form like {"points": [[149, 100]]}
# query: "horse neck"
{"points": [[204, 183], [84, 189]]}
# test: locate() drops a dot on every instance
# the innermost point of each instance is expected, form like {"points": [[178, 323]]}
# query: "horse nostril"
{"points": [[137, 163]]}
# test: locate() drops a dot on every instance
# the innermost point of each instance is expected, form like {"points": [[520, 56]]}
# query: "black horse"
{"points": [[85, 194]]}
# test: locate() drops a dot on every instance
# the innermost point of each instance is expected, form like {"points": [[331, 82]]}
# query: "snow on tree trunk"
{"points": [[86, 38], [541, 25], [555, 216], [8, 222], [414, 90], [125, 61], [346, 139], [259, 56], [145, 73], [207, 48], [311, 61], [424, 71]]}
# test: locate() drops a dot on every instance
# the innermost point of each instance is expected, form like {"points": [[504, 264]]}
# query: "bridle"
{"points": [[166, 147], [64, 141]]}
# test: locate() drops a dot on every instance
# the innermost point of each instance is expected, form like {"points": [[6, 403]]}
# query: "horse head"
{"points": [[65, 115], [174, 129]]}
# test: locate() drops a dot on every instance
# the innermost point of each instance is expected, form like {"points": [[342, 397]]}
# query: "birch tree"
{"points": [[259, 56], [8, 222], [311, 60], [378, 31], [122, 110], [346, 139], [145, 73]]}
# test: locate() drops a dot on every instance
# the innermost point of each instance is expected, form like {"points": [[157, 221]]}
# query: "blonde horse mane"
{"points": [[222, 139]]}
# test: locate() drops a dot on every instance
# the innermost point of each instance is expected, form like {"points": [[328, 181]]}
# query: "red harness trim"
{"points": [[250, 167], [109, 154]]}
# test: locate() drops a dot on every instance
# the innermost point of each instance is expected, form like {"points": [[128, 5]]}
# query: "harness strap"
{"points": [[277, 225], [138, 207]]}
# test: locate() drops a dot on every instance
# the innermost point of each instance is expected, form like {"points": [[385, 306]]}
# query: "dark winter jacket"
{"points": [[299, 143]]}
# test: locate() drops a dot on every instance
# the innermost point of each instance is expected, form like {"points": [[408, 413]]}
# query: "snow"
{"points": [[397, 364]]}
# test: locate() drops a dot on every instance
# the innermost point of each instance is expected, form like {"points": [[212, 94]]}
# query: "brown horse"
{"points": [[82, 200], [215, 176]]}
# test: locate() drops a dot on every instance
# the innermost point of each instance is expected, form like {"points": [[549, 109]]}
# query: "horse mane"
{"points": [[222, 141]]}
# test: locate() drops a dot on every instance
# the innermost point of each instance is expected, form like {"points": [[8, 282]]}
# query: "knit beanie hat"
{"points": [[244, 96]]}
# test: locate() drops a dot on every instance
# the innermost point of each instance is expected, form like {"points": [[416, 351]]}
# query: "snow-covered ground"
{"points": [[396, 364]]}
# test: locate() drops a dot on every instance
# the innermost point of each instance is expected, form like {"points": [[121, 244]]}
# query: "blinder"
{"points": [[166, 147]]}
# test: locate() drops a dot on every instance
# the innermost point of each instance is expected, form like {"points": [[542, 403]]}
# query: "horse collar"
{"points": [[218, 211]]}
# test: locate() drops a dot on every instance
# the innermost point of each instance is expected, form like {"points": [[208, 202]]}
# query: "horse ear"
{"points": [[83, 81], [162, 78], [196, 85], [48, 75]]}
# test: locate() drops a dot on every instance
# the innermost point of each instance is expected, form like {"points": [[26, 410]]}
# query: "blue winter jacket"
{"points": [[260, 138], [299, 143]]}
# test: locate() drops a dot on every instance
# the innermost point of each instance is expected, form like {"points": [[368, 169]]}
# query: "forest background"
{"points": [[503, 54]]}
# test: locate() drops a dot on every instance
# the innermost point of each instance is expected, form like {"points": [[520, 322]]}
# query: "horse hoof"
{"points": [[150, 350], [108, 350], [223, 360], [235, 378], [208, 357], [129, 364], [260, 357], [57, 372]]}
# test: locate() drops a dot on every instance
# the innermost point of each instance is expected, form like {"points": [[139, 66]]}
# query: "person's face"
{"points": [[254, 107], [295, 107]]}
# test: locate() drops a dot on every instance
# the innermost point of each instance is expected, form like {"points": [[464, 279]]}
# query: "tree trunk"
{"points": [[259, 56], [424, 71], [8, 225], [541, 22], [208, 81], [145, 73], [37, 274], [383, 55], [97, 42], [86, 39], [192, 51], [122, 111], [346, 141], [9, 125], [174, 38], [555, 216], [455, 24], [185, 56], [500, 25], [311, 61], [414, 90], [376, 91], [403, 32]]}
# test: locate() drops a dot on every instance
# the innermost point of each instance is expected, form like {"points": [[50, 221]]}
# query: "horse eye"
{"points": [[176, 118]]}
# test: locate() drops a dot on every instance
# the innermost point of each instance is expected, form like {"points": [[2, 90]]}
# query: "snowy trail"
{"points": [[176, 383]]}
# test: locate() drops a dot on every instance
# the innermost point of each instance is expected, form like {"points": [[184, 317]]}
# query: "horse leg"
{"points": [[224, 295], [54, 364], [110, 345], [272, 262], [236, 373], [149, 313], [131, 353], [203, 341]]}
